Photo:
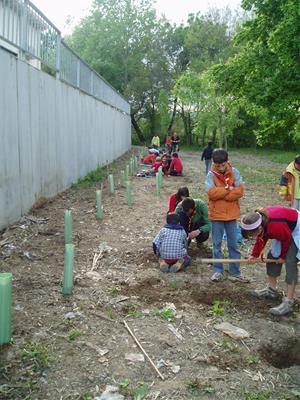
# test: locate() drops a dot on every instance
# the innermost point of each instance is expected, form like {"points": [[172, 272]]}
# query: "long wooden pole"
{"points": [[233, 260], [140, 346]]}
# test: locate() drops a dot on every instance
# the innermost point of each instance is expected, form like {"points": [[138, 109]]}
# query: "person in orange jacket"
{"points": [[224, 186]]}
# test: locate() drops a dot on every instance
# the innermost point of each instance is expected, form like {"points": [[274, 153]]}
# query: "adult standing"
{"points": [[155, 141], [175, 140], [207, 156]]}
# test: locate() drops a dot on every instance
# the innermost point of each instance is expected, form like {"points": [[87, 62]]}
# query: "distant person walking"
{"points": [[207, 156]]}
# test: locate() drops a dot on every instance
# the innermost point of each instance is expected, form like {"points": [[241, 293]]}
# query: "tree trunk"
{"points": [[221, 131], [186, 124], [190, 136], [137, 129], [173, 116], [204, 136], [152, 119], [214, 136]]}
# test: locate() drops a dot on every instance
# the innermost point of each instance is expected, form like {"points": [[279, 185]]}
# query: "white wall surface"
{"points": [[51, 134]]}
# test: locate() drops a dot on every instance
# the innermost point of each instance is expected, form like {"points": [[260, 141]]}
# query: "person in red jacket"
{"points": [[149, 159], [281, 224], [176, 167], [176, 198]]}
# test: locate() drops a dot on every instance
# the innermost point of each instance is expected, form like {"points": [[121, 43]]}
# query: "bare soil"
{"points": [[58, 355]]}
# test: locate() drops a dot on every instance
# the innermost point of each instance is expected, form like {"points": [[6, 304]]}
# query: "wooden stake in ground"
{"points": [[140, 346], [233, 260]]}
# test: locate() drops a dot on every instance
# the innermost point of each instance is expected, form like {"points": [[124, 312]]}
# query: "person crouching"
{"points": [[170, 244]]}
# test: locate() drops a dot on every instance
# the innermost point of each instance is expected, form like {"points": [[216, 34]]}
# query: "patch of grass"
{"points": [[134, 312], [36, 356], [97, 175], [275, 155], [218, 307], [257, 396], [73, 335], [199, 387], [230, 346], [86, 396], [127, 390], [176, 285], [140, 392], [260, 176], [111, 314], [167, 314], [114, 291], [253, 359]]}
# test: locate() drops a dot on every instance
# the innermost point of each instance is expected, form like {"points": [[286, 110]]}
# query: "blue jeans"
{"points": [[208, 165], [218, 228]]}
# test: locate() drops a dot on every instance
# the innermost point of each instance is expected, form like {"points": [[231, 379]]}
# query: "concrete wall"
{"points": [[51, 134]]}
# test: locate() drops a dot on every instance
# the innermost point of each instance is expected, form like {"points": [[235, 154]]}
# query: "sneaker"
{"points": [[238, 278], [217, 277], [285, 308], [176, 267], [164, 267], [266, 293]]}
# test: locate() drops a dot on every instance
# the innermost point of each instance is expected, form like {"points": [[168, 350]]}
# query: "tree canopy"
{"points": [[232, 77]]}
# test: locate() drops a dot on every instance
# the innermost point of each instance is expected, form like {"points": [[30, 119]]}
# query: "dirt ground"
{"points": [[72, 347]]}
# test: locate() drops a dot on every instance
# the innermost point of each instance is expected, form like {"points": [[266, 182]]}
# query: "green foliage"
{"points": [[92, 177], [114, 291], [140, 392], [199, 387], [36, 356], [257, 396], [134, 312], [167, 314], [218, 307], [253, 360], [73, 335], [163, 107], [264, 75]]}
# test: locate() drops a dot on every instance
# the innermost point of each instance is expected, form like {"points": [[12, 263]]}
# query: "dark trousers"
{"points": [[203, 235]]}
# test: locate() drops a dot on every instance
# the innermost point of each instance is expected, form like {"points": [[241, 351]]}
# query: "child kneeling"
{"points": [[170, 244]]}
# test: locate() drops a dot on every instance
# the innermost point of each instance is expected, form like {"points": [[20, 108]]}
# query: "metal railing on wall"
{"points": [[26, 28]]}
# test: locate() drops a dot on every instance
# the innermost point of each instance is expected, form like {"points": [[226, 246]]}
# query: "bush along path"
{"points": [[77, 346]]}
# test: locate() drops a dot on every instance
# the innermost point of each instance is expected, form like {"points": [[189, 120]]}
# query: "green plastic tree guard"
{"points": [[157, 181], [68, 269], [127, 172], [123, 180], [160, 177], [99, 206], [68, 226], [129, 193], [5, 307], [132, 166], [111, 184]]}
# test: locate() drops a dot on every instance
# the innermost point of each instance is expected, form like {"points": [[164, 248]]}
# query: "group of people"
{"points": [[189, 219], [170, 163]]}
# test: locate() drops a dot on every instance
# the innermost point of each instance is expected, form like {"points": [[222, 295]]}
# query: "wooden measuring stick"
{"points": [[140, 346], [233, 260]]}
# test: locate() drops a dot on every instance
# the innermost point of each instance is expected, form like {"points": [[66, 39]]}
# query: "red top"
{"points": [[176, 165], [156, 165], [282, 221], [172, 203], [168, 140]]}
